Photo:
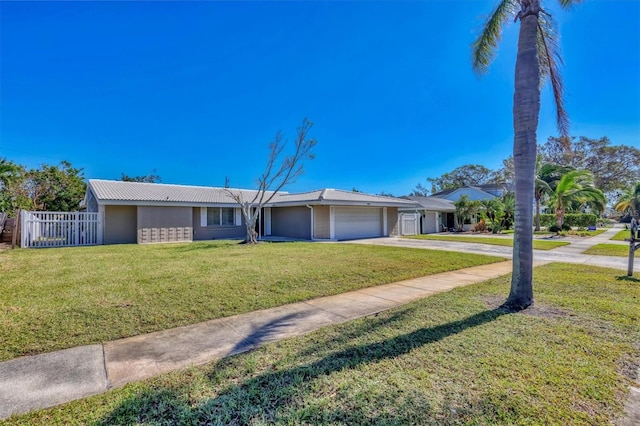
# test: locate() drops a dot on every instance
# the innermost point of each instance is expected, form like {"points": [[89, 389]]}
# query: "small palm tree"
{"points": [[576, 187], [465, 209], [629, 201], [546, 178], [538, 59]]}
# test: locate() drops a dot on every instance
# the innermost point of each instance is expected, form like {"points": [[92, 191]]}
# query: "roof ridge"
{"points": [[176, 185]]}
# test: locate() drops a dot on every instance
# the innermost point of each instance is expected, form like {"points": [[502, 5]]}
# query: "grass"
{"points": [[573, 232], [497, 241], [64, 297], [609, 250], [448, 359], [625, 234]]}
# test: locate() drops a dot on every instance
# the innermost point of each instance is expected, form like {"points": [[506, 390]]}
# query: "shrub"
{"points": [[579, 220], [555, 228]]}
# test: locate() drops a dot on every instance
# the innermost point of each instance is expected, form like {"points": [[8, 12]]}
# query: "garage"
{"points": [[358, 222]]}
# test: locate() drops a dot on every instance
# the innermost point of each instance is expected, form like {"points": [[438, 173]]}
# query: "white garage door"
{"points": [[358, 222]]}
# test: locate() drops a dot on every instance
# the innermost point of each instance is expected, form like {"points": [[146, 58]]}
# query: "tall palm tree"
{"points": [[575, 187], [537, 60], [629, 201]]}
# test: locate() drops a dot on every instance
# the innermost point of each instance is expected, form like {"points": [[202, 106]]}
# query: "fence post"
{"points": [[21, 219]]}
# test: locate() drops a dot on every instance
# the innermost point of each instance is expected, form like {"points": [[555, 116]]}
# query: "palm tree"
{"points": [[537, 60], [547, 176], [575, 187], [629, 201], [465, 209]]}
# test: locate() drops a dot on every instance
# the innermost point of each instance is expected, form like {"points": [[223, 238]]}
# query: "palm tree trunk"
{"points": [[559, 217], [526, 108]]}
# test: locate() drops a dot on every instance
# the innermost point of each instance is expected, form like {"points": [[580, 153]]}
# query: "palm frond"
{"points": [[483, 50], [568, 4], [550, 59]]}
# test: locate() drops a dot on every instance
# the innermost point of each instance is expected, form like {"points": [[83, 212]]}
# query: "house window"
{"points": [[220, 216]]}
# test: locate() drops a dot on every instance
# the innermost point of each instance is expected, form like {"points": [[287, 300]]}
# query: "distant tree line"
{"points": [[57, 188], [614, 167]]}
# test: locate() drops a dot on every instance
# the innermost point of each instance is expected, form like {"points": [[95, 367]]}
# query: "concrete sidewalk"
{"points": [[41, 381]]}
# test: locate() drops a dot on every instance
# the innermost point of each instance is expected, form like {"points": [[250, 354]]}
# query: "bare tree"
{"points": [[281, 170]]}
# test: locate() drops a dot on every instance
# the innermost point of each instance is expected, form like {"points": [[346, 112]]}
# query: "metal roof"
{"points": [[132, 193], [433, 203], [329, 196]]}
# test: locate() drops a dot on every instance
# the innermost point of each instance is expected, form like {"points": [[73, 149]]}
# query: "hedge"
{"points": [[577, 220]]}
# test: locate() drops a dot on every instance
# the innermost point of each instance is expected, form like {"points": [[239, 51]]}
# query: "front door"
{"points": [[451, 222]]}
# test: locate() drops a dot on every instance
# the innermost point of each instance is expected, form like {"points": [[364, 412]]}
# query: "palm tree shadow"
{"points": [[260, 398], [628, 278]]}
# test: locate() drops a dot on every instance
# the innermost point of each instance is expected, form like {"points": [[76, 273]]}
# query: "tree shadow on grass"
{"points": [[203, 246], [628, 278], [279, 396]]}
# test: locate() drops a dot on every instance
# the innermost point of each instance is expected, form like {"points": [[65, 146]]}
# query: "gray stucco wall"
{"points": [[215, 232], [164, 224], [292, 222], [120, 224]]}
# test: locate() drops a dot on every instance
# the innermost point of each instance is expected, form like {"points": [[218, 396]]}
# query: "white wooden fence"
{"points": [[409, 224], [60, 229]]}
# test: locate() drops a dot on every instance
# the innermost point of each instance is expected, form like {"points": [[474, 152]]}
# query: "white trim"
{"points": [[267, 221], [311, 230], [238, 216], [385, 231], [203, 217], [332, 223]]}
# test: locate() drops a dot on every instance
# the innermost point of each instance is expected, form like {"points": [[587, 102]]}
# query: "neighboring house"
{"points": [[436, 214], [496, 189], [473, 192], [134, 212]]}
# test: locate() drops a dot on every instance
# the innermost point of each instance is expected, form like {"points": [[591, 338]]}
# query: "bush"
{"points": [[555, 228], [579, 220]]}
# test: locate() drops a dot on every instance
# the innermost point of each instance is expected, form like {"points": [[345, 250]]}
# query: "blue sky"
{"points": [[196, 90]]}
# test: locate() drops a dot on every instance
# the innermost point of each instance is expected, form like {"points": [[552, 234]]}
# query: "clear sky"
{"points": [[196, 90]]}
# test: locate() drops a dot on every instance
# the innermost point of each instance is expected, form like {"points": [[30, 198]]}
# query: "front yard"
{"points": [[60, 298], [452, 358]]}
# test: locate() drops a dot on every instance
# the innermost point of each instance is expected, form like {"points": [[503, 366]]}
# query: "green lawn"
{"points": [[65, 297], [609, 250], [497, 241], [448, 359], [625, 234], [573, 232]]}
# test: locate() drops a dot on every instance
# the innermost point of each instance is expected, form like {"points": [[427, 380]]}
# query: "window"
{"points": [[220, 216]]}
